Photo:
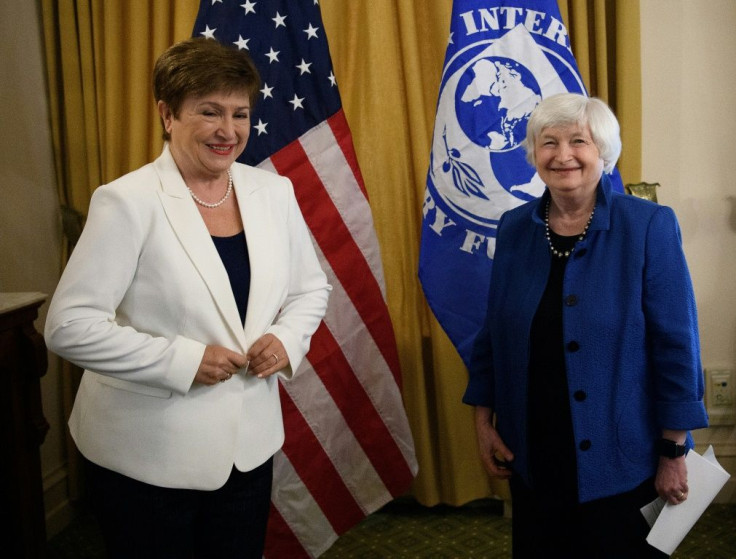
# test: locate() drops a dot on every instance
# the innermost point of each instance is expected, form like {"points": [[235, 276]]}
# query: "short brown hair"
{"points": [[199, 66]]}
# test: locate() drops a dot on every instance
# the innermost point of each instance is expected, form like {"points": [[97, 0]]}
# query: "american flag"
{"points": [[348, 447]]}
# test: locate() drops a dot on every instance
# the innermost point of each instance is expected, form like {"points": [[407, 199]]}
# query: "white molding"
{"points": [[724, 450], [726, 456]]}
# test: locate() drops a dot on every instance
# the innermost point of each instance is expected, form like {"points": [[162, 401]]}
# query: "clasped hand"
{"points": [[265, 357]]}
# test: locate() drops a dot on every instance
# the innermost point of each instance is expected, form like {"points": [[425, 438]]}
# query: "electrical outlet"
{"points": [[721, 387], [720, 399]]}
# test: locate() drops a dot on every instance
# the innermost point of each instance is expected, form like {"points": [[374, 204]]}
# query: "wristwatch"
{"points": [[670, 449]]}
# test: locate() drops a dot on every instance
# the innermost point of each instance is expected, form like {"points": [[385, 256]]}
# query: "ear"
{"points": [[166, 115]]}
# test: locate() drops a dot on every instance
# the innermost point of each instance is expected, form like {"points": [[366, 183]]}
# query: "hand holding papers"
{"points": [[671, 523]]}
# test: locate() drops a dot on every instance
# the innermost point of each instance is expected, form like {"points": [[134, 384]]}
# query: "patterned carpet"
{"points": [[404, 529]]}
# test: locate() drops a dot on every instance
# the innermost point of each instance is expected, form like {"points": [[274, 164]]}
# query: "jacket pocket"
{"points": [[636, 426], [135, 387]]}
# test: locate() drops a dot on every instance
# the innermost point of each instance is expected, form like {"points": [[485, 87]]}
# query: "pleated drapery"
{"points": [[388, 57]]}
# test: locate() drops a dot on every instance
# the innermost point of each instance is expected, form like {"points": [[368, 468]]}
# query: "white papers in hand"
{"points": [[671, 523]]}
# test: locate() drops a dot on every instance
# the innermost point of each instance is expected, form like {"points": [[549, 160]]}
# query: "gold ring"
{"points": [[682, 494], [276, 359]]}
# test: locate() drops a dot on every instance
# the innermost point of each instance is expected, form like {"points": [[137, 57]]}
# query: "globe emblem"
{"points": [[493, 101]]}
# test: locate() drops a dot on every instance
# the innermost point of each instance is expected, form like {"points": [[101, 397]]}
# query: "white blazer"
{"points": [[142, 295]]}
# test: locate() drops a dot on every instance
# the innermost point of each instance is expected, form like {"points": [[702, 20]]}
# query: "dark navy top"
{"points": [[552, 460], [234, 255]]}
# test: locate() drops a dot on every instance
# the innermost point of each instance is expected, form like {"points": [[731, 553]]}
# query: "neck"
{"points": [[548, 229], [570, 207], [569, 216], [195, 175]]}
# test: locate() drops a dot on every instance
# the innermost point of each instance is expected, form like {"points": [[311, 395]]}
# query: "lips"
{"points": [[221, 149]]}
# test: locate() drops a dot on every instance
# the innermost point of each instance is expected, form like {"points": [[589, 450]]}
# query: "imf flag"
{"points": [[502, 59]]}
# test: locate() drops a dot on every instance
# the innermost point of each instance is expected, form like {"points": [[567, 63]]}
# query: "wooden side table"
{"points": [[23, 361]]}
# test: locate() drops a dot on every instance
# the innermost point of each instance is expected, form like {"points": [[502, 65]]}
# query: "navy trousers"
{"points": [[145, 521]]}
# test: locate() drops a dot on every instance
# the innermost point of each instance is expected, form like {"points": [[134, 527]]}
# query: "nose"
{"points": [[227, 128], [563, 152]]}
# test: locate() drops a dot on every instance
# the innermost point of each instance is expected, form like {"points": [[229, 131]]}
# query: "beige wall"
{"points": [[689, 74], [30, 230], [689, 122]]}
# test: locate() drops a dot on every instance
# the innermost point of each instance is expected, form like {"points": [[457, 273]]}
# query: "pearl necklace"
{"points": [[222, 200], [565, 253]]}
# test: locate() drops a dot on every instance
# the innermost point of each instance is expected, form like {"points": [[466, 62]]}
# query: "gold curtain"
{"points": [[604, 35], [99, 56], [388, 57]]}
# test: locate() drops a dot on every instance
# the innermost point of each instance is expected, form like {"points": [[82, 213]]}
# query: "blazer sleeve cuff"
{"points": [[478, 393], [682, 415], [295, 350], [186, 356]]}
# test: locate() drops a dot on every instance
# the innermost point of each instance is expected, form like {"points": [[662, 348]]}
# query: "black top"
{"points": [[234, 255], [551, 441]]}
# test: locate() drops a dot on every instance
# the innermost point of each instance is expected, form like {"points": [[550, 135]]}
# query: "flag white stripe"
{"points": [[299, 510], [344, 451], [338, 179], [367, 362]]}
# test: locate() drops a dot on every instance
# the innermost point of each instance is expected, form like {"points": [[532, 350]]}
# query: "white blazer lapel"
{"points": [[194, 237], [258, 222]]}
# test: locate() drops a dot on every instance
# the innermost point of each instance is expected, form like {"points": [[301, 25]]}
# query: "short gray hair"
{"points": [[566, 109]]}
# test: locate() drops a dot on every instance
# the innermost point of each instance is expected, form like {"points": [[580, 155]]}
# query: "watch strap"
{"points": [[670, 449]]}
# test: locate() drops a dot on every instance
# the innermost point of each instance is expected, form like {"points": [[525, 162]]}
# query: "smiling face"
{"points": [[209, 133], [568, 160]]}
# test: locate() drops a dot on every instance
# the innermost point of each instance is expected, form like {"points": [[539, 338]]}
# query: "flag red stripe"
{"points": [[340, 129], [280, 539], [354, 403], [340, 249], [316, 470]]}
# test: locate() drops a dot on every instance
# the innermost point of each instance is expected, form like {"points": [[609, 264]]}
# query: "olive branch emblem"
{"points": [[464, 177]]}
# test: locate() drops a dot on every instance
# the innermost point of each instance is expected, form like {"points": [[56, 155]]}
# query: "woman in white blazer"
{"points": [[193, 283]]}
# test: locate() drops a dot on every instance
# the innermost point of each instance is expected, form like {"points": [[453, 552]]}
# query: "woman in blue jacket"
{"points": [[586, 375]]}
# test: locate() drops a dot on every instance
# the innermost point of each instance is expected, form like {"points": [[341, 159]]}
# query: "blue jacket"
{"points": [[630, 331]]}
